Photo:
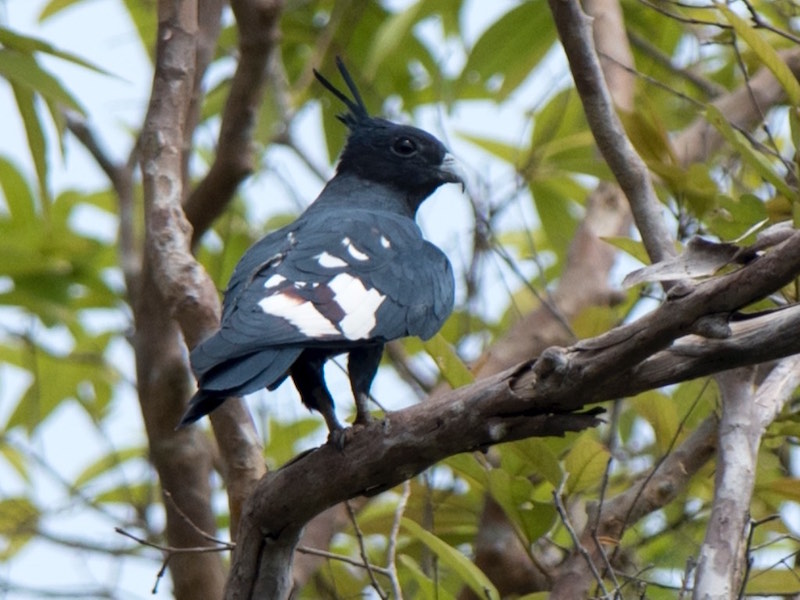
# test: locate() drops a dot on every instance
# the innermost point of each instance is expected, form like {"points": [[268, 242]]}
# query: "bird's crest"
{"points": [[358, 112]]}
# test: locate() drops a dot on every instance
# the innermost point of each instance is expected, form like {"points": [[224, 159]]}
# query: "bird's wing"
{"points": [[333, 280]]}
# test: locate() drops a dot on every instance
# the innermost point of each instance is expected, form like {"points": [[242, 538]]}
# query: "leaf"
{"points": [[469, 573], [390, 35], [27, 45], [18, 196], [54, 7], [453, 369], [773, 582], [756, 160], [586, 463], [510, 48], [24, 70], [514, 494], [733, 219], [534, 457], [634, 248], [37, 142], [144, 16], [558, 222], [427, 589], [507, 152], [108, 463], [662, 415], [19, 518], [765, 52]]}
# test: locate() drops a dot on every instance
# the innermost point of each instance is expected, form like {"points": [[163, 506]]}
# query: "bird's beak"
{"points": [[452, 171]]}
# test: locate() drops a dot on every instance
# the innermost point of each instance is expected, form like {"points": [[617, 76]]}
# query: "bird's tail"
{"points": [[236, 376], [200, 405]]}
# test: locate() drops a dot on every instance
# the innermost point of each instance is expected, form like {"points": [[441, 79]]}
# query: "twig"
{"points": [[391, 550], [193, 525], [170, 551], [562, 512], [345, 559], [363, 550]]}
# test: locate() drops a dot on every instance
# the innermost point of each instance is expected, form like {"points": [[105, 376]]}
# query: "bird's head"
{"points": [[404, 157]]}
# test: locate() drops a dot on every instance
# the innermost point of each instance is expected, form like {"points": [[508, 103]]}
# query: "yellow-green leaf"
{"points": [[769, 57], [453, 369], [467, 570]]}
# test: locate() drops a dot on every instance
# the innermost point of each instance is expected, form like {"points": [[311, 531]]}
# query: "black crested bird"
{"points": [[350, 274]]}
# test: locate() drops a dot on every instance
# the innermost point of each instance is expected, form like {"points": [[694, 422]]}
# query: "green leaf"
{"points": [[507, 152], [145, 18], [23, 69], [426, 589], [734, 217], [469, 573], [453, 369], [634, 248], [108, 463], [773, 582], [27, 45], [765, 52], [389, 36], [467, 467], [510, 48], [586, 463], [18, 196], [37, 142], [750, 156], [19, 519], [558, 222], [514, 494], [54, 7], [662, 415]]}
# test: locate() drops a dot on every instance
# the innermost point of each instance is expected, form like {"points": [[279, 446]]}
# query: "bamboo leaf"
{"points": [[765, 52], [453, 369], [470, 574], [753, 158]]}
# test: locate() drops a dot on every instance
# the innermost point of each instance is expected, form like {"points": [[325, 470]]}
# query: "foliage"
{"points": [[66, 315]]}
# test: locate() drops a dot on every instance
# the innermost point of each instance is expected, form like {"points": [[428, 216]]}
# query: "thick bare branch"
{"points": [[174, 285], [575, 30], [747, 411], [257, 22]]}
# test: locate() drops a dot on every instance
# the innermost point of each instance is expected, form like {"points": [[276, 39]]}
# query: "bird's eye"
{"points": [[404, 147]]}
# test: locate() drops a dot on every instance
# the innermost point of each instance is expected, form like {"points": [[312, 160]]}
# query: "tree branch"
{"points": [[746, 413], [257, 22], [575, 30]]}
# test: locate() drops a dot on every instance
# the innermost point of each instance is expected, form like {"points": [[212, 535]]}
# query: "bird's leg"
{"points": [[362, 364], [308, 378]]}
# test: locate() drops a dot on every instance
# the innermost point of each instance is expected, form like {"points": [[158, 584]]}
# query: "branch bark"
{"points": [[747, 412], [575, 31], [257, 22]]}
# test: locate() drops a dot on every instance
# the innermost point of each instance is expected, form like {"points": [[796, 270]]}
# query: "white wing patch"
{"points": [[353, 251], [274, 281], [358, 304], [329, 261], [300, 313]]}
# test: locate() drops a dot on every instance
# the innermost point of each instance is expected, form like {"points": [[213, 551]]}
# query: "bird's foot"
{"points": [[342, 436]]}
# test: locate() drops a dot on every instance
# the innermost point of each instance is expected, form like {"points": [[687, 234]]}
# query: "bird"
{"points": [[350, 274]]}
